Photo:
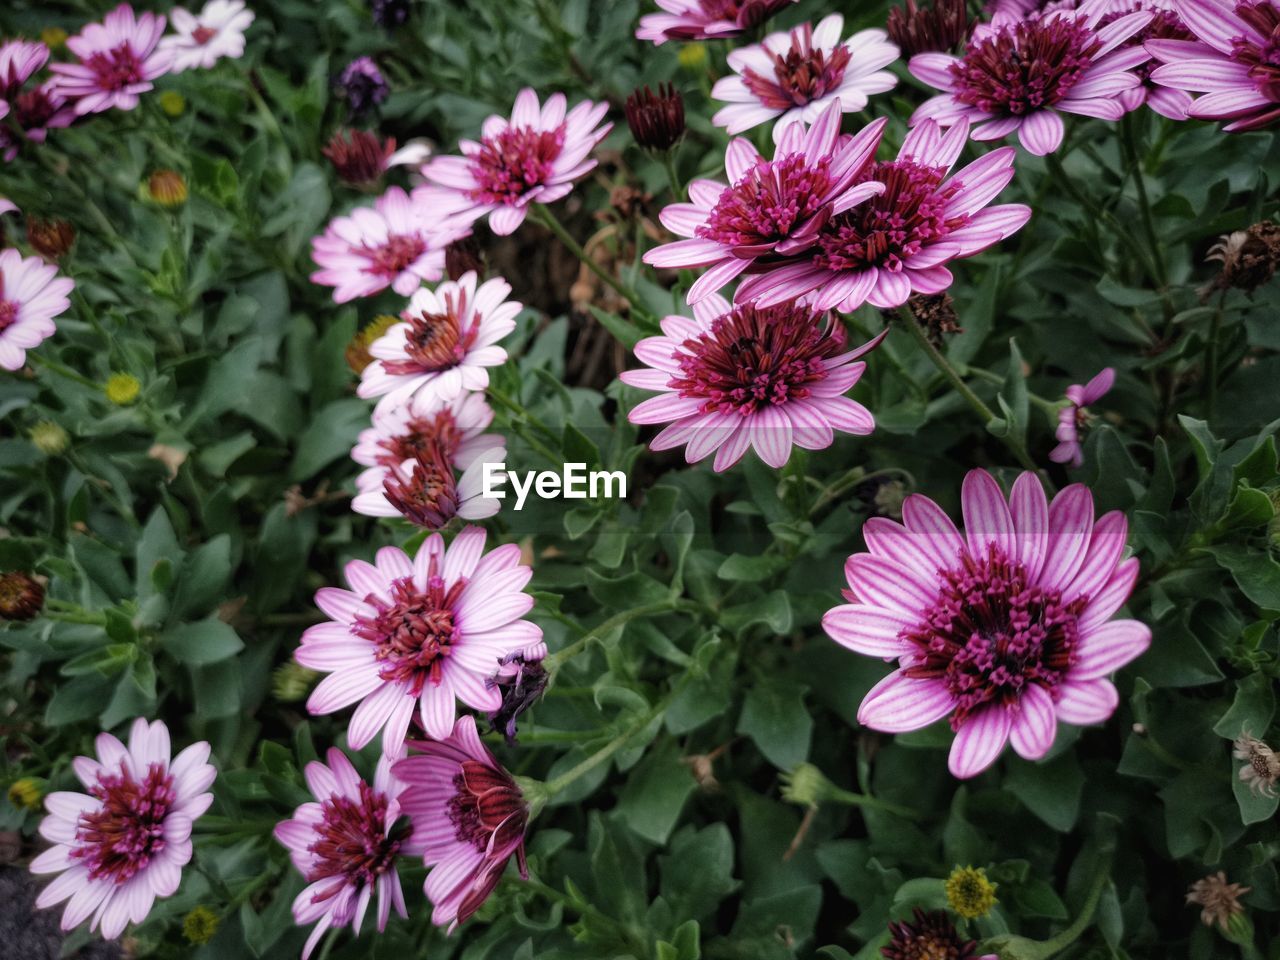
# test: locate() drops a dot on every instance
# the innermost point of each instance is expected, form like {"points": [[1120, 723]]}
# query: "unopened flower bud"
{"points": [[200, 925], [656, 120], [21, 596], [168, 188], [359, 157], [50, 238], [291, 682], [805, 786], [463, 256], [25, 794], [122, 389], [49, 438], [53, 37], [172, 103]]}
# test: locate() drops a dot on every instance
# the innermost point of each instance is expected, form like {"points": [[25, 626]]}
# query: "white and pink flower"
{"points": [[32, 294], [118, 60], [705, 19], [201, 40], [1073, 418], [424, 490]]}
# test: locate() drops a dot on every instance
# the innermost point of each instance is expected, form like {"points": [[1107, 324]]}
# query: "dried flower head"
{"points": [[1218, 900], [199, 926], [462, 257], [930, 936], [359, 157], [940, 27], [937, 314], [122, 389], [390, 14], [362, 86], [520, 691], [52, 239], [167, 188], [21, 596], [1249, 258], [656, 120], [969, 893], [1262, 766]]}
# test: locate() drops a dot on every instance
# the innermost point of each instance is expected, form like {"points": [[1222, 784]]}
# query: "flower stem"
{"points": [[544, 216], [1211, 361], [63, 370], [673, 177], [1130, 141], [1072, 933], [556, 660], [840, 795]]}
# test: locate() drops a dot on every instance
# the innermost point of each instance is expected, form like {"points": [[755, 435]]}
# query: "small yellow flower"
{"points": [[969, 893], [53, 37], [172, 103], [200, 925], [49, 438], [25, 794], [357, 352], [167, 188], [122, 389], [692, 57]]}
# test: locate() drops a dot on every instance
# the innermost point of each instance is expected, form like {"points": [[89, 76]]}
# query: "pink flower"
{"points": [[124, 842], [19, 59], [31, 295], [444, 346], [423, 490], [1005, 630], [345, 845], [41, 109], [534, 157], [1018, 75], [398, 243], [118, 60], [7, 206], [796, 75], [1233, 65], [742, 377], [774, 208], [401, 432], [1165, 25], [705, 19], [899, 242], [420, 633], [473, 816], [1071, 419], [202, 40]]}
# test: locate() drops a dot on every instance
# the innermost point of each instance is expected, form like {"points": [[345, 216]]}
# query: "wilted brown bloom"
{"points": [[942, 27], [21, 596], [50, 238], [926, 937], [167, 188], [936, 313], [463, 256], [1219, 901], [359, 157], [1249, 258], [1262, 766], [656, 119], [357, 353]]}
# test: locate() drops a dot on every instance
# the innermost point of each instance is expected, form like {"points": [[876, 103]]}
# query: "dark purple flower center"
{"points": [[352, 846], [486, 802], [768, 203], [415, 632], [892, 227], [745, 13], [991, 634], [8, 312], [424, 491], [116, 69], [434, 341], [394, 255], [509, 165], [754, 357], [203, 35], [34, 108], [930, 936], [1024, 67], [126, 832], [418, 436], [1263, 60], [802, 75]]}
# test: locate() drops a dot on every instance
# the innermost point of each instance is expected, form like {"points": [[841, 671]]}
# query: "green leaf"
{"points": [[1252, 709], [1255, 573], [774, 716], [329, 435], [697, 875], [1051, 790], [751, 569], [203, 642], [204, 580]]}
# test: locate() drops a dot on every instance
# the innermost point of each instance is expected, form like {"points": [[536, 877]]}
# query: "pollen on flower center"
{"points": [[396, 254], [513, 162], [8, 314], [419, 435], [757, 356], [768, 202], [434, 342], [203, 35], [116, 68], [1024, 67], [486, 801], [352, 845], [126, 832], [1263, 61], [991, 634], [414, 633], [802, 75], [425, 491], [894, 225]]}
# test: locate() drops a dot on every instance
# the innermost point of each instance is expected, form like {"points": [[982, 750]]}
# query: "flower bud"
{"points": [[21, 596], [52, 239], [200, 925], [53, 37], [25, 794], [656, 119], [168, 188], [49, 438], [291, 682], [359, 157], [172, 103], [463, 256], [805, 786], [122, 389]]}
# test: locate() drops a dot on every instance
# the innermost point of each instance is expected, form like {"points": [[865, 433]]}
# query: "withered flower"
{"points": [[1262, 766], [1218, 900], [1249, 258], [50, 238]]}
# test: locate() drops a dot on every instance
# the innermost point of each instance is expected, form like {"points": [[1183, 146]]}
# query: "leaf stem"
{"points": [[555, 661], [544, 216]]}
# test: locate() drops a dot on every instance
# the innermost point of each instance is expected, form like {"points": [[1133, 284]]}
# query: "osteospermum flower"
{"points": [[1019, 75], [124, 842], [705, 19], [1165, 24], [31, 295], [362, 85], [19, 59], [399, 433], [473, 817], [1005, 630], [929, 935], [420, 633], [773, 208], [795, 75], [1072, 419], [534, 157], [118, 60], [40, 109], [1233, 62], [899, 242], [446, 342], [424, 491], [746, 377], [397, 243], [345, 844], [201, 40]]}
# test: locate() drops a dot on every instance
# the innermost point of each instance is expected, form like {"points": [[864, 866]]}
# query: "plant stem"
{"points": [[1211, 361], [1090, 907], [63, 371], [556, 660], [673, 177], [544, 216], [557, 785], [840, 795], [1130, 141], [1050, 407]]}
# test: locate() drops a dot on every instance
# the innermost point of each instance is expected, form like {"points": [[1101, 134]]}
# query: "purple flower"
{"points": [[363, 86], [31, 296], [118, 60], [705, 19], [1072, 419]]}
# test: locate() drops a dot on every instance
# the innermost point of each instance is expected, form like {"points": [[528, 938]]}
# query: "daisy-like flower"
{"points": [[534, 157], [118, 60], [1261, 769], [402, 432], [773, 208], [1020, 75], [423, 490], [1006, 630], [398, 243], [345, 844], [899, 242], [446, 342], [19, 59], [929, 935], [420, 633], [41, 109], [1233, 62], [746, 377], [1165, 24], [1073, 419], [473, 817], [705, 19], [31, 295], [201, 40], [123, 843], [795, 75]]}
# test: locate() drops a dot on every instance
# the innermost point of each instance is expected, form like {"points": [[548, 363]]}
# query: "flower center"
{"points": [[203, 35], [888, 228], [126, 832], [757, 356], [33, 108], [991, 634], [764, 206], [352, 846], [116, 69], [413, 633], [434, 341], [419, 435], [486, 802], [1263, 61], [800, 77], [425, 493], [515, 161], [395, 255], [8, 314], [1024, 67]]}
